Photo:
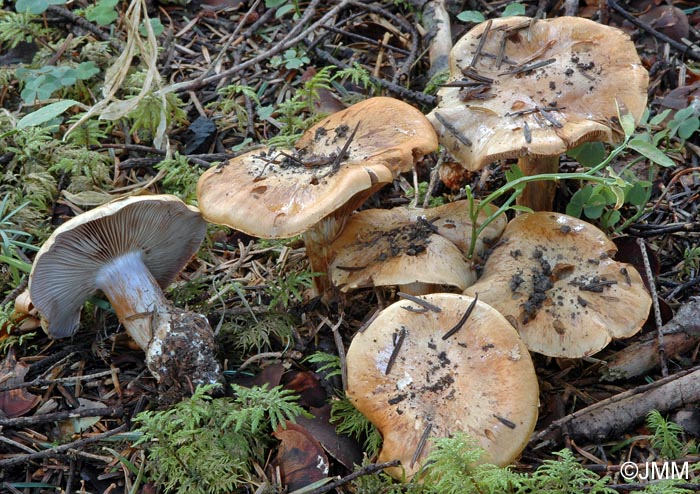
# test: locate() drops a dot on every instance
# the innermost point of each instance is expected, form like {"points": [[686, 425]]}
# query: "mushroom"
{"points": [[533, 89], [450, 363], [554, 278], [130, 250], [310, 190], [417, 249]]}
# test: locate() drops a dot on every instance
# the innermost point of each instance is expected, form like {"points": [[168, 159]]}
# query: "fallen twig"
{"points": [[681, 334], [618, 413], [18, 460], [680, 47]]}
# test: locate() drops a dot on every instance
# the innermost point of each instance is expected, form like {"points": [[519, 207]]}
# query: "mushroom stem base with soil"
{"points": [[179, 345], [538, 195]]}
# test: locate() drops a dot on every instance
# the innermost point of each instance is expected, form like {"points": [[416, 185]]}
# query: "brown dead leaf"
{"points": [[344, 449], [307, 386], [15, 402], [300, 457]]}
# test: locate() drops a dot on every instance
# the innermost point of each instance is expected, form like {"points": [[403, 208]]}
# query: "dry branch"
{"points": [[620, 412]]}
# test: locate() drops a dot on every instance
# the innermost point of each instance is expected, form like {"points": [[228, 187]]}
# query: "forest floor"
{"points": [[236, 63]]}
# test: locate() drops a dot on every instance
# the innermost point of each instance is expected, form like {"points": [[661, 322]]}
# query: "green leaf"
{"points": [[271, 4], [513, 9], [637, 195], [35, 7], [16, 263], [589, 154], [156, 25], [104, 13], [688, 128], [611, 218], [650, 152], [46, 113], [284, 9], [658, 119], [627, 123], [593, 208], [86, 70], [578, 200], [471, 16]]}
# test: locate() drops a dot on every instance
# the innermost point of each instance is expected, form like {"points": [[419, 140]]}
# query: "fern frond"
{"points": [[349, 420], [666, 438]]}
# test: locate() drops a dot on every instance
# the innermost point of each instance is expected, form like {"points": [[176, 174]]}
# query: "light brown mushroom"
{"points": [[554, 278], [421, 250], [310, 190], [129, 250], [532, 89], [414, 380]]}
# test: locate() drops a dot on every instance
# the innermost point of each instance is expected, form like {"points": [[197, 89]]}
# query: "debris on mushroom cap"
{"points": [[162, 228], [337, 163], [406, 378], [554, 279], [401, 246], [536, 87]]}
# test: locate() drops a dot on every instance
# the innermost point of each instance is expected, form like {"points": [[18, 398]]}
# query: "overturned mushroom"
{"points": [[533, 89], [453, 365], [554, 279], [310, 190], [130, 250], [420, 250]]}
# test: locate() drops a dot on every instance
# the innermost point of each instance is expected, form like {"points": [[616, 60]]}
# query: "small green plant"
{"points": [[452, 468], [16, 28], [666, 436], [349, 420], [436, 81], [206, 445], [291, 59], [283, 290], [297, 113], [599, 175], [566, 476], [13, 240], [255, 332], [103, 12], [36, 7], [691, 260], [180, 177], [422, 191], [327, 364], [283, 7], [40, 84], [475, 16]]}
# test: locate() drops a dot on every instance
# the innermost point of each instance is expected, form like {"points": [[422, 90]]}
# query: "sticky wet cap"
{"points": [[336, 164], [558, 84], [554, 278], [406, 378]]}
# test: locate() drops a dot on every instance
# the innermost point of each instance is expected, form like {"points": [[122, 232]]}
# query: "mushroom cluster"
{"points": [[553, 277], [313, 188], [533, 89], [439, 364], [130, 250]]}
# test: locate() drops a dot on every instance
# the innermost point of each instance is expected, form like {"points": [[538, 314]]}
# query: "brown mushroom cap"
{"points": [[402, 246], [164, 230], [553, 278], [269, 195], [595, 68], [480, 380]]}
